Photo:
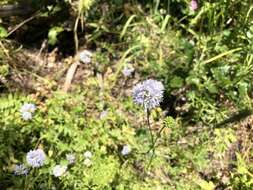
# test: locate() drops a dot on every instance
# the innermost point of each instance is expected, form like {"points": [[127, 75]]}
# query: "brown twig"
{"points": [[22, 23], [70, 75]]}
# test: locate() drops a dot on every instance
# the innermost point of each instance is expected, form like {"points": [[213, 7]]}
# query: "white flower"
{"points": [[126, 150], [26, 115], [87, 162], [28, 107], [85, 56], [71, 158], [59, 170], [87, 154], [26, 111]]}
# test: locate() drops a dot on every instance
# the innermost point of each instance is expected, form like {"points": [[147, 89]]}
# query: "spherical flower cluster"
{"points": [[26, 111], [20, 169], [59, 170], [128, 70], [36, 158], [126, 150], [148, 93], [71, 158], [85, 56]]}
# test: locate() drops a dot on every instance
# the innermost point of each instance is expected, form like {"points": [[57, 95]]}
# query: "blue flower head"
{"points": [[20, 169], [36, 158], [148, 93]]}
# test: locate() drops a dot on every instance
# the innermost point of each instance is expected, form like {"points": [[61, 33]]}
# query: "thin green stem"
{"points": [[152, 139], [149, 127]]}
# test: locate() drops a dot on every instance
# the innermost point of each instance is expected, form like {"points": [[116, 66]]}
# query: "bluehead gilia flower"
{"points": [[36, 158], [148, 93], [20, 169], [59, 170]]}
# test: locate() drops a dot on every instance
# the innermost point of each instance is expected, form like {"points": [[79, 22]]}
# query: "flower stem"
{"points": [[149, 127]]}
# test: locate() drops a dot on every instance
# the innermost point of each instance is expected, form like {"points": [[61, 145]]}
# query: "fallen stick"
{"points": [[70, 75]]}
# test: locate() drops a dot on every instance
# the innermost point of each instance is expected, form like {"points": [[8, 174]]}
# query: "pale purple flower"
{"points": [[128, 70], [126, 150], [71, 158], [59, 170], [85, 56], [148, 93], [193, 5], [26, 111], [28, 107], [20, 169], [36, 158], [103, 114]]}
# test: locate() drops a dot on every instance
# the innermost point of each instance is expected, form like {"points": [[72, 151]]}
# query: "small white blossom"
{"points": [[87, 162], [59, 170], [71, 158], [26, 115], [87, 154], [26, 111], [85, 56], [28, 107], [126, 150]]}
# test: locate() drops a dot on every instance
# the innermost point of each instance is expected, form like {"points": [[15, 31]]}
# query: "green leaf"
{"points": [[53, 33], [3, 32], [206, 185], [176, 82]]}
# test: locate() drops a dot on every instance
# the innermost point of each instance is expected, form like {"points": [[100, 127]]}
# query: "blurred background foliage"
{"points": [[203, 57]]}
